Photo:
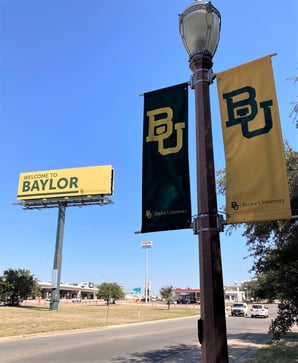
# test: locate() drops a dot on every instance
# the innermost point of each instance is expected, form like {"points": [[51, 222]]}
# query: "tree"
{"points": [[110, 291], [273, 245], [17, 284], [294, 113], [166, 293], [251, 289]]}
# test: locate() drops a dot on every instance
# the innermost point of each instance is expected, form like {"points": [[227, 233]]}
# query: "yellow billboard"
{"points": [[61, 183]]}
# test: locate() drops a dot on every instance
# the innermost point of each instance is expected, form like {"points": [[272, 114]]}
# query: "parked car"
{"points": [[239, 309], [259, 310]]}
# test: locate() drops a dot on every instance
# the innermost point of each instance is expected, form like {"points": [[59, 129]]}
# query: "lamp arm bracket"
{"points": [[209, 78]]}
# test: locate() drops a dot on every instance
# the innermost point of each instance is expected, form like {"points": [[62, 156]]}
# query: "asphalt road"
{"points": [[168, 341]]}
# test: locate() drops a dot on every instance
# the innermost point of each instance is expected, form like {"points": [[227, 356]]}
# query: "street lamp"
{"points": [[200, 27]]}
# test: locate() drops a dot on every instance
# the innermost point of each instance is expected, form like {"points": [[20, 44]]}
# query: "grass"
{"points": [[284, 352], [32, 319]]}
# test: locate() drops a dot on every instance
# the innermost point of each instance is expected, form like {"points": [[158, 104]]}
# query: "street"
{"points": [[172, 341]]}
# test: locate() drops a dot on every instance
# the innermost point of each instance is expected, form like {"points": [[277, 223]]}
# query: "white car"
{"points": [[259, 310]]}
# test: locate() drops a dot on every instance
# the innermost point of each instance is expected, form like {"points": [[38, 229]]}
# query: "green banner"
{"points": [[165, 189]]}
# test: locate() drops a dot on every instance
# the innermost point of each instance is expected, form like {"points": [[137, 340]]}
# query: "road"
{"points": [[163, 341]]}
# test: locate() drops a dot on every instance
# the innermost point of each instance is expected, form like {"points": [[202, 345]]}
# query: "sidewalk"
{"points": [[239, 350]]}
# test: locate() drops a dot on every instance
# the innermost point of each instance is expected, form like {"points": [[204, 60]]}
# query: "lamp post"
{"points": [[146, 278], [200, 27], [146, 245]]}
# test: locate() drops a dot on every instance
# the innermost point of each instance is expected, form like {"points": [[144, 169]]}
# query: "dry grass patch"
{"points": [[282, 353], [39, 319]]}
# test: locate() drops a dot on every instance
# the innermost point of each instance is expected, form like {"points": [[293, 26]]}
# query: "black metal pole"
{"points": [[212, 325], [56, 278]]}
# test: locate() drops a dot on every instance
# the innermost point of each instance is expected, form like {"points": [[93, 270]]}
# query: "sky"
{"points": [[71, 76]]}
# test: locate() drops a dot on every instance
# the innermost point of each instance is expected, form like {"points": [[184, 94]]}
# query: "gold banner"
{"points": [[256, 179]]}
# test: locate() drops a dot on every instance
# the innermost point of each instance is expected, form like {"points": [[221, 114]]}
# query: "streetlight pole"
{"points": [[199, 28], [146, 245], [146, 278], [214, 340]]}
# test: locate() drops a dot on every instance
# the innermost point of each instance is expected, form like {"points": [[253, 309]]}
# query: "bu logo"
{"points": [[235, 205], [243, 108], [160, 128]]}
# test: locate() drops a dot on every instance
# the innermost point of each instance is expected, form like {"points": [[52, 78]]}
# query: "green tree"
{"points": [[17, 284], [273, 245], [110, 291], [294, 113], [251, 289], [167, 294]]}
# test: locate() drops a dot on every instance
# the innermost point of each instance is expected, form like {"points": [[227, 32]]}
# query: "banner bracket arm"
{"points": [[197, 227]]}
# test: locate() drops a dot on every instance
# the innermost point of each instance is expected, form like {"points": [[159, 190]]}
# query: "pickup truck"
{"points": [[239, 309]]}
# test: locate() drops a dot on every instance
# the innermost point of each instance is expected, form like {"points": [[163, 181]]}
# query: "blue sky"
{"points": [[71, 75]]}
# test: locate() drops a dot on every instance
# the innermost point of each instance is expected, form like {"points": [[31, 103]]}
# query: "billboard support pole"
{"points": [[56, 277]]}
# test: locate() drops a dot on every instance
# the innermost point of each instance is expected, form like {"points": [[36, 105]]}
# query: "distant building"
{"points": [[187, 293], [231, 294], [234, 294], [87, 290], [82, 290]]}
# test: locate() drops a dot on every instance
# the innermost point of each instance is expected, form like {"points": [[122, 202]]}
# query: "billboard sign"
{"points": [[61, 183]]}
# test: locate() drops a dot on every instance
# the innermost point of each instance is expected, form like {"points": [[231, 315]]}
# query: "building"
{"points": [[187, 293], [82, 290], [87, 290], [234, 294], [231, 294]]}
